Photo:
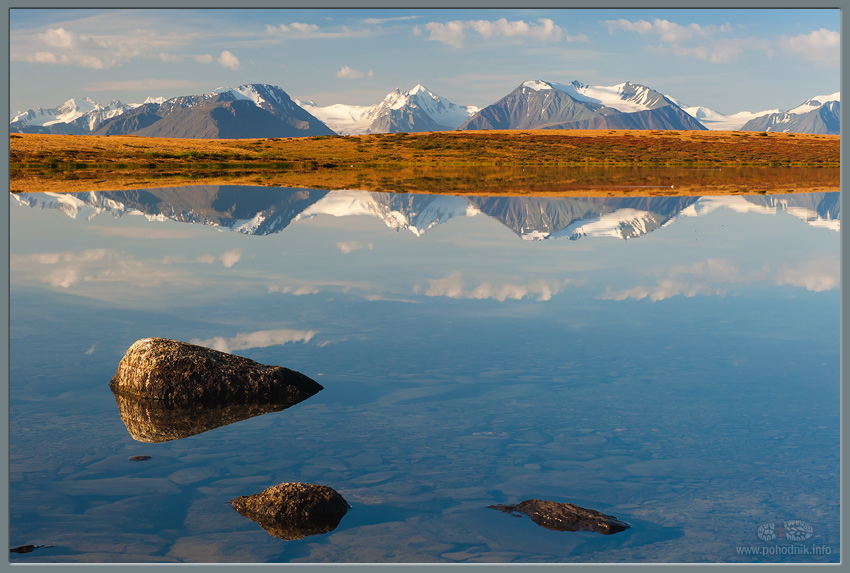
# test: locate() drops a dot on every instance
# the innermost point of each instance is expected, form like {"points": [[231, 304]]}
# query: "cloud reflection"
{"points": [[68, 269], [714, 276], [258, 339], [452, 286]]}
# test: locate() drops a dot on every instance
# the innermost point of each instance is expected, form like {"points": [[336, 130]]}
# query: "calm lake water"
{"points": [[673, 362]]}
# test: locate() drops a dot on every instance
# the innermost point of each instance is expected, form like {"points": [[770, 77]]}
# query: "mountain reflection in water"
{"points": [[263, 211], [671, 361]]}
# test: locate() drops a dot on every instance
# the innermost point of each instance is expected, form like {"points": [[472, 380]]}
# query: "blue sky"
{"points": [[729, 60]]}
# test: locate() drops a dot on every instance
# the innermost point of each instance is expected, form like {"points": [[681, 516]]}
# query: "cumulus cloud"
{"points": [[228, 60], [712, 42], [231, 257], [820, 46], [352, 74], [100, 47], [453, 33], [348, 246], [258, 339], [58, 38], [452, 286]]}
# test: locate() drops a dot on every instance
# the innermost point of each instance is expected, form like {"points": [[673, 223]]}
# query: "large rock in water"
{"points": [[186, 374], [294, 510], [565, 516]]}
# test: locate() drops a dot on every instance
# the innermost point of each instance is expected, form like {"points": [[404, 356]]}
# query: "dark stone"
{"points": [[294, 510], [185, 374], [139, 458], [27, 548], [154, 421], [565, 516]]}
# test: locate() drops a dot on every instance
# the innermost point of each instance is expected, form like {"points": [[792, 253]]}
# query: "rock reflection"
{"points": [[154, 421]]}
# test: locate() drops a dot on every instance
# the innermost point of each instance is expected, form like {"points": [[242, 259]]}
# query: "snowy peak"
{"points": [[815, 103], [418, 109], [820, 114], [262, 95], [71, 117], [625, 97], [539, 104]]}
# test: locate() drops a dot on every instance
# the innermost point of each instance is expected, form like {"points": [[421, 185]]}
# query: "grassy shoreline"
{"points": [[602, 162]]}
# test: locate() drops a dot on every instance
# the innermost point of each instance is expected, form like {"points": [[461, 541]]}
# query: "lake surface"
{"points": [[673, 362]]}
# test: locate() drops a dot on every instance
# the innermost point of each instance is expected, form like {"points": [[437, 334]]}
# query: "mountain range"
{"points": [[262, 110], [265, 211]]}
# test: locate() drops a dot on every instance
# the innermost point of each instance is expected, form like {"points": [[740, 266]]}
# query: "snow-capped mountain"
{"points": [[247, 111], [72, 117], [820, 114], [418, 109], [537, 104], [250, 110]]}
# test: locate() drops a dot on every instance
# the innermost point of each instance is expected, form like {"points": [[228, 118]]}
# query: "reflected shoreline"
{"points": [[502, 181]]}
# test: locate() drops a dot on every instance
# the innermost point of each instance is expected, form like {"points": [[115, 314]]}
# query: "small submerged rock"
{"points": [[294, 510], [180, 373], [565, 516], [139, 458], [27, 548]]}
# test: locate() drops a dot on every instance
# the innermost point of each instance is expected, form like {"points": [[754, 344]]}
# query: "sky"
{"points": [[727, 60]]}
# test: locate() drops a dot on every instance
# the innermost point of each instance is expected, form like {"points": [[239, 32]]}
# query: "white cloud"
{"points": [[228, 60], [203, 58], [352, 74], [231, 257], [452, 286], [258, 339], [711, 43], [297, 30], [348, 246], [58, 38], [293, 27], [820, 46], [453, 33], [98, 43]]}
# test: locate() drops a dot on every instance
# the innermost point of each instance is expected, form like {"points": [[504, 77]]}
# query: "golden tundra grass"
{"points": [[551, 162]]}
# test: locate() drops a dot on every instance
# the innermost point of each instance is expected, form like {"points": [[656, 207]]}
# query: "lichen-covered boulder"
{"points": [[294, 510], [180, 373], [565, 516]]}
